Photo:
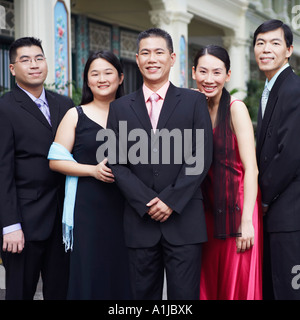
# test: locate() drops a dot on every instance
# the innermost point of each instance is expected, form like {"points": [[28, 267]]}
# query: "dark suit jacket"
{"points": [[140, 183], [278, 154], [30, 192]]}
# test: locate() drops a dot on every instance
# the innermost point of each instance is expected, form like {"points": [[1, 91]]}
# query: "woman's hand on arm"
{"points": [[65, 136], [103, 173]]}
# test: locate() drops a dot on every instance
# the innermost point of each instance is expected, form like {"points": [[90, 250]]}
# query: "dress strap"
{"points": [[235, 101], [79, 110]]}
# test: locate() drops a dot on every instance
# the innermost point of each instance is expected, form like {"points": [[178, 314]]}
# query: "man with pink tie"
{"points": [[163, 218]]}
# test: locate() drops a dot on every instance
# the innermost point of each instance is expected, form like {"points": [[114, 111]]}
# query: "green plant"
{"points": [[76, 92], [252, 100]]}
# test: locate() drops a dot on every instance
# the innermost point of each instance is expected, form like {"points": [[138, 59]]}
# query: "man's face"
{"points": [[30, 67], [271, 51], [155, 61]]}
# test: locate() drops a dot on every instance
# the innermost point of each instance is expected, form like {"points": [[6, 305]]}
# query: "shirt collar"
{"points": [[270, 83], [161, 91], [33, 98]]}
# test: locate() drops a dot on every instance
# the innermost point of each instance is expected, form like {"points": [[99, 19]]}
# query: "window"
{"points": [[6, 80], [132, 76]]}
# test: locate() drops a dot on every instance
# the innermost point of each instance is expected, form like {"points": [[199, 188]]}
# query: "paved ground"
{"points": [[38, 295], [2, 283]]}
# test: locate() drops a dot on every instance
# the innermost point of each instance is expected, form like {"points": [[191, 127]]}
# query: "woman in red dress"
{"points": [[232, 257]]}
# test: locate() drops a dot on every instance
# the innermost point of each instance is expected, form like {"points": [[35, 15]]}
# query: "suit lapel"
{"points": [[26, 103], [259, 120], [54, 110], [171, 100], [270, 109], [139, 107]]}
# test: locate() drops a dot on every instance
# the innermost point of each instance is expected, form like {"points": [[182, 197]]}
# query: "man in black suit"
{"points": [[164, 219], [278, 158], [31, 195]]}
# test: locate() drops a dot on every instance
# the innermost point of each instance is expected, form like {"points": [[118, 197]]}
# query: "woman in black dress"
{"points": [[99, 265]]}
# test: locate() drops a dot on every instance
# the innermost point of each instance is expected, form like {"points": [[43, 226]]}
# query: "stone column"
{"points": [[239, 53], [35, 18], [2, 18], [258, 4], [176, 24], [282, 11], [268, 8]]}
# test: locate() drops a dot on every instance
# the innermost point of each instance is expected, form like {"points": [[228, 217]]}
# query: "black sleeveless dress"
{"points": [[99, 263]]}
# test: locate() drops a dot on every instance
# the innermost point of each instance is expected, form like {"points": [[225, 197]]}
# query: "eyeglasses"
{"points": [[28, 61]]}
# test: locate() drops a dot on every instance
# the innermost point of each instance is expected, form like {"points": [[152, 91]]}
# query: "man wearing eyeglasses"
{"points": [[31, 195]]}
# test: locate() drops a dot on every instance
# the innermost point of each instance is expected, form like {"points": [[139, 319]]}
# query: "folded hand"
{"points": [[159, 211]]}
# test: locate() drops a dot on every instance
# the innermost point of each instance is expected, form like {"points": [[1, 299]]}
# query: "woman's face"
{"points": [[103, 79], [210, 75]]}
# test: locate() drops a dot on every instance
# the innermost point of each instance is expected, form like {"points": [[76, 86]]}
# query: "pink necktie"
{"points": [[154, 113]]}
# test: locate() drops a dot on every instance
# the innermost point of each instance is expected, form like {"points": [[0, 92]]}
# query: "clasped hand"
{"points": [[158, 210]]}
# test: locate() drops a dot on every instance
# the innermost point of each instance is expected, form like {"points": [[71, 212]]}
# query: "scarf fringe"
{"points": [[67, 237]]}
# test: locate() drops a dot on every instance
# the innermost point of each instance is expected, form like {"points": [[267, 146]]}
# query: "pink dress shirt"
{"points": [[161, 92]]}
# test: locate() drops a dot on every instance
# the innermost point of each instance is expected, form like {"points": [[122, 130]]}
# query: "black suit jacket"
{"points": [[140, 183], [278, 154], [31, 194]]}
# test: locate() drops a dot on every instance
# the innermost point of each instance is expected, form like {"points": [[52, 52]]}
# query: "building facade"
{"points": [[71, 29]]}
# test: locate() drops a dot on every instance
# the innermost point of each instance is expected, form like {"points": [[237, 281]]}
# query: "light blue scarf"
{"points": [[59, 152]]}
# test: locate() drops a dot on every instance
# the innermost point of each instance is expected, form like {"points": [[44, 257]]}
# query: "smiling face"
{"points": [[103, 79], [155, 61], [31, 74], [271, 51], [210, 75]]}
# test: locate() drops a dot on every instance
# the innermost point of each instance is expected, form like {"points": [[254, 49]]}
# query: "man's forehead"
{"points": [[32, 50], [277, 33], [153, 42]]}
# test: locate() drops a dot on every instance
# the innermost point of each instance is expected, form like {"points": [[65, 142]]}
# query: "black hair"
{"points": [[216, 51], [87, 95], [274, 24], [23, 42], [222, 54], [155, 32]]}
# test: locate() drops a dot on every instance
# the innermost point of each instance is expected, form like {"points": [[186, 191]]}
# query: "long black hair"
{"points": [[87, 95], [227, 206], [221, 54]]}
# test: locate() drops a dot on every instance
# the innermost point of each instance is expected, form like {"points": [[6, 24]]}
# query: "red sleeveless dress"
{"points": [[226, 274]]}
